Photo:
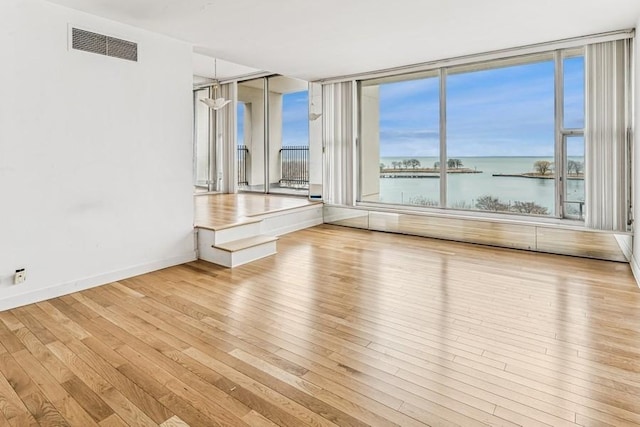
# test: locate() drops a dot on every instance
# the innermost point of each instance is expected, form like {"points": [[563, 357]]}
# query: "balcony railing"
{"points": [[294, 166], [243, 165]]}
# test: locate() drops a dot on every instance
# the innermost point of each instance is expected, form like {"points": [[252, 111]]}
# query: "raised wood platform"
{"points": [[342, 327], [234, 229], [215, 211]]}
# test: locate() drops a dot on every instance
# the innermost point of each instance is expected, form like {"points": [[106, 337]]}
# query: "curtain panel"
{"points": [[226, 135], [606, 133], [339, 109]]}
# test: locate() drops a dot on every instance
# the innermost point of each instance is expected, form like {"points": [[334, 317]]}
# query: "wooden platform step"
{"points": [[249, 242], [241, 251], [244, 239]]}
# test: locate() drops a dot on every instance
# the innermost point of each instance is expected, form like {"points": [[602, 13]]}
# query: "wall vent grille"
{"points": [[104, 45]]}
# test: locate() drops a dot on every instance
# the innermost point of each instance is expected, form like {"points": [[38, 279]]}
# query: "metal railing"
{"points": [[243, 165], [294, 166]]}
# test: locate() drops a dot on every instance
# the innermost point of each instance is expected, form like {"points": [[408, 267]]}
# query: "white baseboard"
{"points": [[296, 227], [635, 269], [625, 242], [298, 219], [43, 294]]}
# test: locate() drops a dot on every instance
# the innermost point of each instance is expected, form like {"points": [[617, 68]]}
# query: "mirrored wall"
{"points": [[273, 136], [203, 150]]}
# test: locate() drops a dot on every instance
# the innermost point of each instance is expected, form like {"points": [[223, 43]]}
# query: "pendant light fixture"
{"points": [[312, 114], [216, 102]]}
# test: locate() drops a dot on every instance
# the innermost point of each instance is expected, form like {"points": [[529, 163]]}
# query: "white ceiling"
{"points": [[204, 66], [327, 38]]}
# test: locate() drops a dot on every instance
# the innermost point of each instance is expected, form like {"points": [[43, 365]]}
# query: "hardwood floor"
{"points": [[342, 327], [220, 210]]}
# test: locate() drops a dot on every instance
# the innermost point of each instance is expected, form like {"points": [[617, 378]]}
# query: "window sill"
{"points": [[553, 235], [564, 223]]}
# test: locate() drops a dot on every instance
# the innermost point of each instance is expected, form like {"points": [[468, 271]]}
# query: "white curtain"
{"points": [[226, 151], [606, 168], [339, 107]]}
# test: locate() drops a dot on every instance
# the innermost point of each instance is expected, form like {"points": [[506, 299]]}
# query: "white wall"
{"points": [[95, 154], [635, 259]]}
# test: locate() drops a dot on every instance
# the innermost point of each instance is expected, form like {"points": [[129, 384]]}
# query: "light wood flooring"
{"points": [[220, 210], [342, 327]]}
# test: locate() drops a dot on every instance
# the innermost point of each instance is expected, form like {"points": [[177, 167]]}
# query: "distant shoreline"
{"points": [[421, 172], [534, 175]]}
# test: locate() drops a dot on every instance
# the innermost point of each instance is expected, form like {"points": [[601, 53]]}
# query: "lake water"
{"points": [[465, 189]]}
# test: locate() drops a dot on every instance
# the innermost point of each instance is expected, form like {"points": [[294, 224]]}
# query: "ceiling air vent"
{"points": [[104, 45]]}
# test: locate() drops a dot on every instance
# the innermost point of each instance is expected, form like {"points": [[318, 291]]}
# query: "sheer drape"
{"points": [[339, 135], [226, 140], [606, 175]]}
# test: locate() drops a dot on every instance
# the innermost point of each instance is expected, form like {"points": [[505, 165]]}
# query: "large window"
{"points": [[500, 138], [484, 137], [403, 151]]}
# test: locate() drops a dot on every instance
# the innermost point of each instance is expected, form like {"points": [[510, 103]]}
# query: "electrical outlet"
{"points": [[20, 276]]}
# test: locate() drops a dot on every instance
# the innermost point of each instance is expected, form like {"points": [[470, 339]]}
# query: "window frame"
{"points": [[561, 133], [564, 133]]}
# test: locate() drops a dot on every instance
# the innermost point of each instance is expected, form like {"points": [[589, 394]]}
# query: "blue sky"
{"points": [[295, 119], [498, 112]]}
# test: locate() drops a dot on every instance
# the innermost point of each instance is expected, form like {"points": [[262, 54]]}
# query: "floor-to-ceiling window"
{"points": [[500, 136], [401, 121], [482, 136]]}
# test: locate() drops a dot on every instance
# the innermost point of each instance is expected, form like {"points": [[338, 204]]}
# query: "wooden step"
{"points": [[230, 232], [237, 252], [249, 242]]}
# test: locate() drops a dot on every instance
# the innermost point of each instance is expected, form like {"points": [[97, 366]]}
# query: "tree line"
{"points": [[487, 203], [491, 203], [543, 167], [402, 164], [451, 164], [415, 163]]}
